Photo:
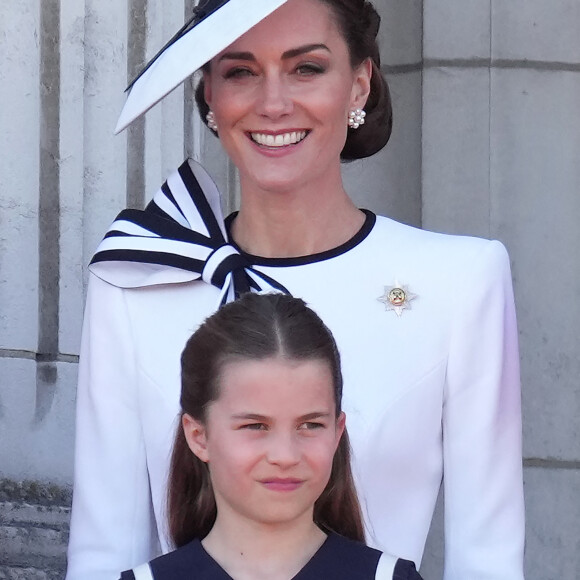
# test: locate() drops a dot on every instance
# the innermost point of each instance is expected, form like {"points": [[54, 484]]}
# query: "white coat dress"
{"points": [[431, 393]]}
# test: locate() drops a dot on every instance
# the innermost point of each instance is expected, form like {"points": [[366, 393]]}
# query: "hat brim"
{"points": [[191, 51]]}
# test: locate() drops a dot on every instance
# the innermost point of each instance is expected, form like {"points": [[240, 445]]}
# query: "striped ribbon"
{"points": [[179, 237]]}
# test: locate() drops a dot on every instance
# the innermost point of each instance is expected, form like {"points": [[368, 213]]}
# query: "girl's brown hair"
{"points": [[359, 24], [254, 327]]}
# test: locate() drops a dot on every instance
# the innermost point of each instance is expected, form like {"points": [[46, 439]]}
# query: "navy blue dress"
{"points": [[338, 558]]}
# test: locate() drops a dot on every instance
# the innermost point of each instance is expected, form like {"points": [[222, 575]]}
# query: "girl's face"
{"points": [[269, 439], [281, 95]]}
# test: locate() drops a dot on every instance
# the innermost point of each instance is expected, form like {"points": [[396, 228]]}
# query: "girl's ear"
{"points": [[196, 436], [340, 426]]}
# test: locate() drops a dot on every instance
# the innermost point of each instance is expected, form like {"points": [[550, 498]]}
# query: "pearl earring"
{"points": [[356, 118], [210, 118]]}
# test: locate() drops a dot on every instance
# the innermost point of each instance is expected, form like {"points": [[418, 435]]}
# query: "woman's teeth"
{"points": [[280, 140]]}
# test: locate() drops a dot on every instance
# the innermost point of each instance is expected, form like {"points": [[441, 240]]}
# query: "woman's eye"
{"points": [[238, 73], [309, 69]]}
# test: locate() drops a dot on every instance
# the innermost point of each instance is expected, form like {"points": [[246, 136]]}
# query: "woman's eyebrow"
{"points": [[304, 49], [237, 56], [293, 52]]}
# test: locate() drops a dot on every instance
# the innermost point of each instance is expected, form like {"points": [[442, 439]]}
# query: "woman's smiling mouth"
{"points": [[279, 140]]}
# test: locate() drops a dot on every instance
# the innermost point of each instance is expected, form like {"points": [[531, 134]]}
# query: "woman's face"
{"points": [[281, 95], [269, 439]]}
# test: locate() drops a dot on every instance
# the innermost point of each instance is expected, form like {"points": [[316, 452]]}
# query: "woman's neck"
{"points": [[249, 550], [291, 224]]}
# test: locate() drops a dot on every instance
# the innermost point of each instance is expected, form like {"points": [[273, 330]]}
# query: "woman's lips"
{"points": [[282, 484], [279, 139]]}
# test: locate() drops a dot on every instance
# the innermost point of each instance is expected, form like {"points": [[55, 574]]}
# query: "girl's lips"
{"points": [[286, 484]]}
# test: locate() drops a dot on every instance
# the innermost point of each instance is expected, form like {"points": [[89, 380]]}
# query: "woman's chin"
{"points": [[275, 181]]}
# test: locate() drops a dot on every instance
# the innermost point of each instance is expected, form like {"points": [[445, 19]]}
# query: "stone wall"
{"points": [[501, 144], [33, 530], [486, 142]]}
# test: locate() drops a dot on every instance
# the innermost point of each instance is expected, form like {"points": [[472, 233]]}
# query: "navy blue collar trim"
{"points": [[361, 235]]}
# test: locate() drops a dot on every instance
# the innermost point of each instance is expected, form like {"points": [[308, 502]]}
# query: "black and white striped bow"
{"points": [[179, 237]]}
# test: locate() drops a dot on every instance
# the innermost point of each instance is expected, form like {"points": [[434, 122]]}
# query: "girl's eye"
{"points": [[309, 69], [238, 73], [311, 426], [254, 426]]}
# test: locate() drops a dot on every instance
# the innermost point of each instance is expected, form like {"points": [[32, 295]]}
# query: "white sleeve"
{"points": [[112, 522], [484, 511]]}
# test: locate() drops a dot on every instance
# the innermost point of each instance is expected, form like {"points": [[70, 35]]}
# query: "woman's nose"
{"points": [[274, 100], [283, 449]]}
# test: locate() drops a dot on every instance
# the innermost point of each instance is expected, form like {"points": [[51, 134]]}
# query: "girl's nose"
{"points": [[274, 100], [283, 449]]}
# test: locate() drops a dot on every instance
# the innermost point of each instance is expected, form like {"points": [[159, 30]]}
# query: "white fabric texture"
{"points": [[436, 389]]}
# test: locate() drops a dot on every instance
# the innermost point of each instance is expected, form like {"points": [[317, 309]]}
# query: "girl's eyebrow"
{"points": [[250, 417], [292, 53], [257, 417], [316, 415]]}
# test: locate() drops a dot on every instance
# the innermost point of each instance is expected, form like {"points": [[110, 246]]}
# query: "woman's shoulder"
{"points": [[414, 245], [399, 232]]}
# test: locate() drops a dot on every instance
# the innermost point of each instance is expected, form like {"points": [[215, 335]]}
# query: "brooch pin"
{"points": [[397, 297]]}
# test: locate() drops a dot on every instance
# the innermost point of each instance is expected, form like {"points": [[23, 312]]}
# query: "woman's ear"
{"points": [[207, 87], [196, 436], [361, 86]]}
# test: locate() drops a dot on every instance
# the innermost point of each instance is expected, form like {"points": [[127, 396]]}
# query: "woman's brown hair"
{"points": [[359, 24], [254, 327]]}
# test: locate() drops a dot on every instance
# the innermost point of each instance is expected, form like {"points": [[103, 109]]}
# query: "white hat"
{"points": [[214, 26]]}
